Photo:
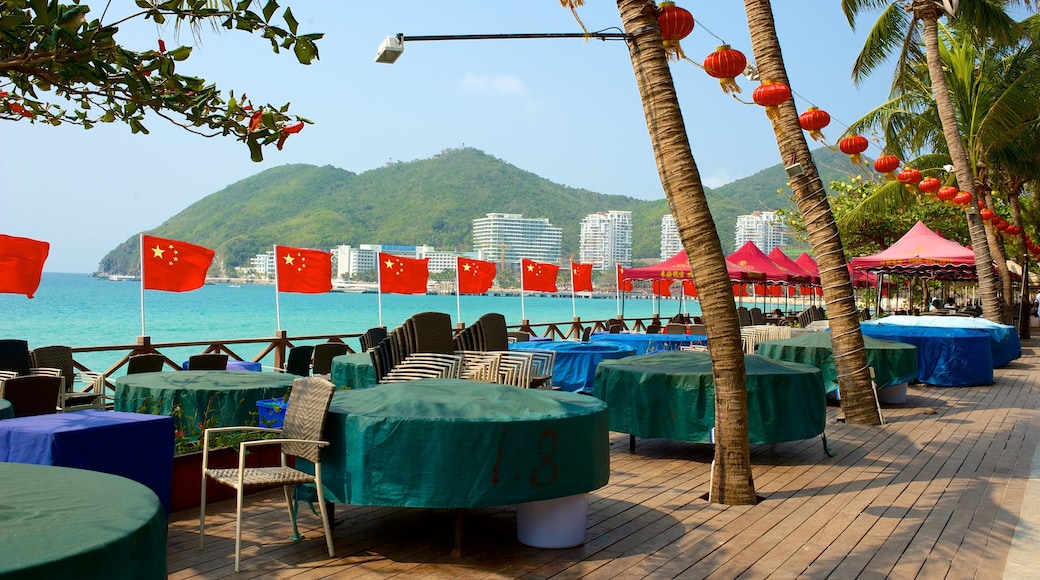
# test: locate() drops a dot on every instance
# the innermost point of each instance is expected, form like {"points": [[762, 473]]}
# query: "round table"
{"points": [[672, 395], [449, 443], [895, 363], [647, 343], [58, 522], [1004, 342], [354, 371], [574, 367], [215, 398], [6, 410], [946, 357], [235, 365]]}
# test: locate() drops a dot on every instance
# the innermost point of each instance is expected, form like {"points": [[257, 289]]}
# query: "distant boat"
{"points": [[234, 285]]}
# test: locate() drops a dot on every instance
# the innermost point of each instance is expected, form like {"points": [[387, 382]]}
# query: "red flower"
{"points": [[255, 120], [162, 46], [294, 128]]}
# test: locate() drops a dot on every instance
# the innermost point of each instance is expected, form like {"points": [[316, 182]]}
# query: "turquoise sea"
{"points": [[79, 310]]}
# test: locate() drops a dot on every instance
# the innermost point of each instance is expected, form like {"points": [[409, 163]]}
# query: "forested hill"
{"points": [[429, 201]]}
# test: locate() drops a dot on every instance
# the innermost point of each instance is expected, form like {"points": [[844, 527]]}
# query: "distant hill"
{"points": [[429, 201]]}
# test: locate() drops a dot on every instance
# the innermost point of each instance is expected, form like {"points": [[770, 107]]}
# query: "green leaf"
{"points": [[305, 51], [290, 20], [269, 9], [180, 53]]}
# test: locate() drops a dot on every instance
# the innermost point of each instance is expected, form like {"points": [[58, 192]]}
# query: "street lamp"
{"points": [[392, 47]]}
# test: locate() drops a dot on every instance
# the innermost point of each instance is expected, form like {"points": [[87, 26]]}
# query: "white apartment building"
{"points": [[762, 227], [349, 260], [670, 243], [505, 238], [606, 239], [263, 264]]}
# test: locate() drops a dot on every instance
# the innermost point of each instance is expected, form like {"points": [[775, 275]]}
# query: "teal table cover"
{"points": [[894, 362], [671, 395], [353, 371], [6, 410], [214, 398], [59, 523], [449, 443]]}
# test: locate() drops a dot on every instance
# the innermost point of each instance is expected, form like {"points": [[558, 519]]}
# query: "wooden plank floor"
{"points": [[936, 493]]}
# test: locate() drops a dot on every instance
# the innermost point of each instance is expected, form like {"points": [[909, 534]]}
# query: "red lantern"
{"points": [[909, 177], [929, 185], [814, 120], [962, 198], [1003, 225], [771, 95], [725, 64], [887, 164], [676, 24], [853, 146], [1013, 230], [947, 193], [986, 214]]}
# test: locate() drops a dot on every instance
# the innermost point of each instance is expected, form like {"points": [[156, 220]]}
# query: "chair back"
{"points": [[518, 336], [31, 395], [299, 360], [654, 327], [493, 331], [305, 414], [146, 363], [55, 357], [14, 356], [675, 328], [744, 316], [586, 334], [433, 332], [757, 317], [210, 361], [372, 337], [323, 355], [466, 339], [615, 327]]}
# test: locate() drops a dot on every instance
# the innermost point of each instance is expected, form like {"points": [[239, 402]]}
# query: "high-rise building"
{"points": [[263, 264], [765, 228], [670, 243], [505, 238], [606, 239]]}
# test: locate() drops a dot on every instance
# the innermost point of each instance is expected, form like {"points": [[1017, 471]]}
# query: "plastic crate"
{"points": [[272, 412]]}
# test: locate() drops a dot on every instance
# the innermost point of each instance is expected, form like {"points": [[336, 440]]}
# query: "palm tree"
{"points": [[850, 359], [731, 481], [897, 27]]}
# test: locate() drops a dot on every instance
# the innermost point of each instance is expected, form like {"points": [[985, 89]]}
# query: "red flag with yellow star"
{"points": [[173, 265], [21, 264], [538, 276], [399, 275], [303, 271], [475, 276], [663, 287], [581, 276]]}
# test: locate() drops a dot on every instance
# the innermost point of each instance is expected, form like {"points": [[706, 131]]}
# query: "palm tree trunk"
{"points": [[731, 481], [928, 13], [850, 357], [1025, 299], [998, 253]]}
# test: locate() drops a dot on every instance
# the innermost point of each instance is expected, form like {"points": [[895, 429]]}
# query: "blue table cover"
{"points": [[236, 365], [131, 445], [574, 368], [1004, 340], [946, 357], [649, 343]]}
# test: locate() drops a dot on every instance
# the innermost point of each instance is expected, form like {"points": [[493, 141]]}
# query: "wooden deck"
{"points": [[936, 493]]}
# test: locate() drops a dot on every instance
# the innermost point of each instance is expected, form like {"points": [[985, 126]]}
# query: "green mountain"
{"points": [[429, 201]]}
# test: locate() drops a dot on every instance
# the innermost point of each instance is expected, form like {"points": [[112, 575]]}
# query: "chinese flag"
{"points": [[538, 276], [689, 289], [173, 265], [622, 284], [399, 275], [303, 271], [581, 276], [21, 264], [475, 276], [663, 287]]}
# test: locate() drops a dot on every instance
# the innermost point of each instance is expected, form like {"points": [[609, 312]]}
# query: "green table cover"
{"points": [[215, 398], [57, 522], [894, 363], [449, 443], [354, 371], [6, 410], [671, 395]]}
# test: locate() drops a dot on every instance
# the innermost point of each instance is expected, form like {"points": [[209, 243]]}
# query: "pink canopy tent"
{"points": [[749, 256], [808, 264], [923, 253], [678, 268], [860, 278]]}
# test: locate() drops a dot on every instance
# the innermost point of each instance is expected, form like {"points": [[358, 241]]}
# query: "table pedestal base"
{"points": [[553, 523]]}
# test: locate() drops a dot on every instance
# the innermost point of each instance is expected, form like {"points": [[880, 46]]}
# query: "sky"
{"points": [[564, 109]]}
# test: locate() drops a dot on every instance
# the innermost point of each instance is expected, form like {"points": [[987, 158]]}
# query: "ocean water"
{"points": [[79, 310]]}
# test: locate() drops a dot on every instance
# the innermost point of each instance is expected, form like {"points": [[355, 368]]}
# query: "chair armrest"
{"points": [[258, 442]]}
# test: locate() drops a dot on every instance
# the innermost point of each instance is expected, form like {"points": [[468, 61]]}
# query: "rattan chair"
{"points": [[60, 357], [210, 361], [757, 317], [372, 337], [305, 414], [298, 362], [432, 332], [14, 356], [675, 328], [323, 355], [31, 395], [145, 363]]}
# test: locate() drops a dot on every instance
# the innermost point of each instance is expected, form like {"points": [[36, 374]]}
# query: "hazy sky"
{"points": [[566, 110]]}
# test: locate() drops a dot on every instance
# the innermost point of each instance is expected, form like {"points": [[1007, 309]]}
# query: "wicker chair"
{"points": [[301, 432], [323, 355], [210, 361], [31, 395], [298, 362], [675, 328], [60, 357], [757, 317], [14, 356], [432, 332], [372, 337], [145, 363]]}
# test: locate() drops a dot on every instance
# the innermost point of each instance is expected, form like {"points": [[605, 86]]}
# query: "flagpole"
{"points": [[277, 302], [141, 244], [523, 313], [379, 285], [458, 301], [617, 276], [574, 306]]}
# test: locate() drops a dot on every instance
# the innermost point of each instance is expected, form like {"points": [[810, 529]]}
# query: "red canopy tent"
{"points": [[860, 278], [678, 268], [749, 256], [808, 264], [923, 253]]}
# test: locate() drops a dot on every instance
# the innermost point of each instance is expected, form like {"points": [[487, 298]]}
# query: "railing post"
{"points": [[576, 329], [525, 325], [279, 349], [144, 346]]}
